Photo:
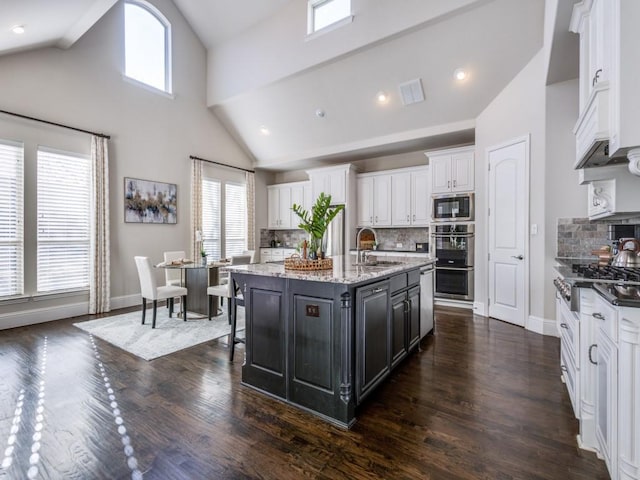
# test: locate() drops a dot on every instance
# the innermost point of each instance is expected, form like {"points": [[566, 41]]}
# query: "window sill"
{"points": [[329, 28], [147, 87], [40, 297]]}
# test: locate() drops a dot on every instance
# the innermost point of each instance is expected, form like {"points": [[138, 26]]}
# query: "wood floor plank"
{"points": [[482, 400]]}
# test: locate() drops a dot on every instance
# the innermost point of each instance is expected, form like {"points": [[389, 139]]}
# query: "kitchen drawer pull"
{"points": [[597, 315], [590, 350], [564, 325], [377, 290]]}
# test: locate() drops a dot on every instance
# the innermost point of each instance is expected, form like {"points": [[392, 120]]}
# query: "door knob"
{"points": [[519, 257]]}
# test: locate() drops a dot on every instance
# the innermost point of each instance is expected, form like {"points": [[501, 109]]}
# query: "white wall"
{"points": [[547, 114], [518, 110], [152, 134]]}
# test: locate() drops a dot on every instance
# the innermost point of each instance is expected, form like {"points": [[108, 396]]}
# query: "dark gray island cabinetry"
{"points": [[324, 340]]}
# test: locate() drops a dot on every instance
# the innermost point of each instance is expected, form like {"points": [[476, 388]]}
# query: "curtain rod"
{"points": [[193, 157], [56, 124]]}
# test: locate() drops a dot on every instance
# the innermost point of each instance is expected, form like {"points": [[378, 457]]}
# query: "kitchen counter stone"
{"points": [[344, 271]]}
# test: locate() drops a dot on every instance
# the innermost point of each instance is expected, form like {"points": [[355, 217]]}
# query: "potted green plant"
{"points": [[316, 222]]}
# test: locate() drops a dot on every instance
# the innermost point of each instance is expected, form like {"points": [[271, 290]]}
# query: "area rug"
{"points": [[170, 335]]}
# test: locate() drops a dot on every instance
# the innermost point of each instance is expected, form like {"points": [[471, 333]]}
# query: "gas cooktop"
{"points": [[606, 272]]}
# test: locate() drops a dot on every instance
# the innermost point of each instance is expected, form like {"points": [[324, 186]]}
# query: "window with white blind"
{"points": [[235, 216], [11, 218], [224, 215], [211, 217], [64, 198]]}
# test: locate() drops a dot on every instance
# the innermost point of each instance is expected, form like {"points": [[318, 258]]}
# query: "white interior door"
{"points": [[508, 220]]}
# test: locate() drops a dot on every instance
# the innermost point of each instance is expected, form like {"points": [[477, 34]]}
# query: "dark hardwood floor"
{"points": [[482, 400]]}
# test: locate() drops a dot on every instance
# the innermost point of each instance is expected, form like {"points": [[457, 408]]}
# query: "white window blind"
{"points": [[211, 217], [235, 215], [11, 218], [64, 186]]}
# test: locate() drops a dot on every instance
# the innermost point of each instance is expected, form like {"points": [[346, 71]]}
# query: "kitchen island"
{"points": [[324, 340]]}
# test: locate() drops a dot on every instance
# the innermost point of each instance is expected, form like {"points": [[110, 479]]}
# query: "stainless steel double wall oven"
{"points": [[453, 245]]}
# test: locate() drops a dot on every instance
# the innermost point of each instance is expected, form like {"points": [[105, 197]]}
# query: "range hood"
{"points": [[598, 156]]}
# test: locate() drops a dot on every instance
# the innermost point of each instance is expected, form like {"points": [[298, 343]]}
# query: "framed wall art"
{"points": [[146, 201]]}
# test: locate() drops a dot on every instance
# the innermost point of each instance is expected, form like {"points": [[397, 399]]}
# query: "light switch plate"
{"points": [[534, 229]]}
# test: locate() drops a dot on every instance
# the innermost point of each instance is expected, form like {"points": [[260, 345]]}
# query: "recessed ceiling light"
{"points": [[382, 97], [18, 29], [264, 130], [460, 74]]}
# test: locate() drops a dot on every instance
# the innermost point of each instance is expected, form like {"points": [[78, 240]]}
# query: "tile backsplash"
{"points": [[577, 237], [388, 238]]}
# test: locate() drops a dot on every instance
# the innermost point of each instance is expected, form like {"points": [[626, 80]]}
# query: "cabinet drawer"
{"points": [[399, 282], [606, 317], [570, 376], [570, 331]]}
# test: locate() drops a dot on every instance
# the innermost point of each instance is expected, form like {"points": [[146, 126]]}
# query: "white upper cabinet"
{"points": [[420, 197], [411, 198], [333, 181], [374, 200], [280, 199], [608, 123], [394, 198], [452, 170]]}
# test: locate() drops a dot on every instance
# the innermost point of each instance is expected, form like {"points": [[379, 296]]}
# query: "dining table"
{"points": [[196, 277]]}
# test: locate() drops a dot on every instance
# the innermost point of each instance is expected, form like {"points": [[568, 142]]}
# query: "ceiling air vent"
{"points": [[411, 92]]}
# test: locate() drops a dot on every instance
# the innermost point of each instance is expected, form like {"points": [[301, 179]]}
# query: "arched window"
{"points": [[147, 45]]}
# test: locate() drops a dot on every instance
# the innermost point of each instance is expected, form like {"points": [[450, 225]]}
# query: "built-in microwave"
{"points": [[453, 207]]}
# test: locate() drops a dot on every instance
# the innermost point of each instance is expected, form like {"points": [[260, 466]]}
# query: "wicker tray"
{"points": [[296, 263]]}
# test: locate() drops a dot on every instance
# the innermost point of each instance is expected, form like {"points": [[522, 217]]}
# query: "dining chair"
{"points": [[151, 291], [173, 276], [234, 297], [245, 259]]}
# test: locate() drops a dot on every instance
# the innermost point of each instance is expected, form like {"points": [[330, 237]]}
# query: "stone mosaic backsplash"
{"points": [[388, 238], [577, 237]]}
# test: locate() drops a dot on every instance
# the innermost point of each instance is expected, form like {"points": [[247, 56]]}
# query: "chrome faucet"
{"points": [[358, 253]]}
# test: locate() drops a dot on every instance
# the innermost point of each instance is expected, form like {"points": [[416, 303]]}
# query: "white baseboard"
{"points": [[41, 315], [34, 316], [445, 302], [543, 326], [480, 308]]}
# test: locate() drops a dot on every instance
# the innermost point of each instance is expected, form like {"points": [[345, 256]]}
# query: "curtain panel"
{"points": [[251, 210], [196, 207], [100, 262]]}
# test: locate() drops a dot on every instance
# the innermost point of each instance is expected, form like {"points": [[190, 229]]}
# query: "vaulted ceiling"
{"points": [[265, 73]]}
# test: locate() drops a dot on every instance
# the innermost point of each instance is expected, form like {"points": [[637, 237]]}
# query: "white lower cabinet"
{"points": [[600, 363], [629, 395]]}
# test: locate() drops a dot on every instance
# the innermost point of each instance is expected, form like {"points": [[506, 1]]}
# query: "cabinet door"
{"points": [[364, 196], [307, 196], [398, 327], [462, 172], [420, 198], [413, 316], [285, 207], [440, 174], [382, 200], [373, 352], [273, 207], [265, 255], [400, 199], [338, 187], [607, 400], [297, 197]]}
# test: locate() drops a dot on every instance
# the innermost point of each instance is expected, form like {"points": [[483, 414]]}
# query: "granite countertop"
{"points": [[343, 270], [373, 252], [564, 270]]}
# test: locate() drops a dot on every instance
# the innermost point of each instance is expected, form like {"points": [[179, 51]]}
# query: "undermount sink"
{"points": [[376, 263]]}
